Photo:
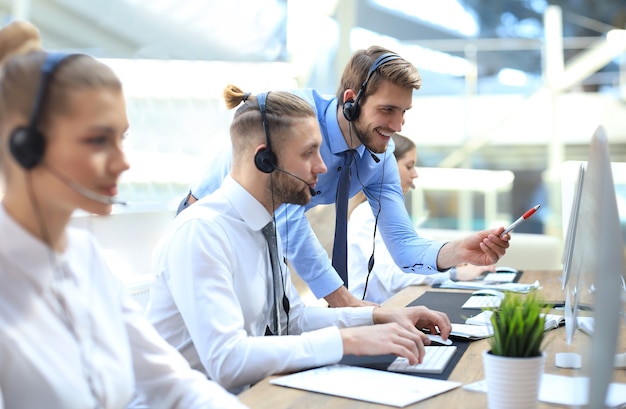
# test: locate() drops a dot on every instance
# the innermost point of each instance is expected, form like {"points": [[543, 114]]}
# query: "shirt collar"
{"points": [[251, 211], [337, 145]]}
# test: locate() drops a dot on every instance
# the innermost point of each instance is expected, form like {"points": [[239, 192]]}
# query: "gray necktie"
{"points": [[269, 231]]}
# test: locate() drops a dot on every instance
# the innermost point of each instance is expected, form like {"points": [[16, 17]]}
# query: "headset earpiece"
{"points": [[26, 143], [351, 108], [265, 159], [27, 146]]}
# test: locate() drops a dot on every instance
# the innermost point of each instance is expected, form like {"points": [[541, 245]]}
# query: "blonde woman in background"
{"points": [[386, 278], [71, 337]]}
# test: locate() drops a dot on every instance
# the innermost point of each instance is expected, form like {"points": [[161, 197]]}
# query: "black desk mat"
{"points": [[445, 301], [449, 302]]}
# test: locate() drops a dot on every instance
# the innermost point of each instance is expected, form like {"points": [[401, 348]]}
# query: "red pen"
{"points": [[525, 216]]}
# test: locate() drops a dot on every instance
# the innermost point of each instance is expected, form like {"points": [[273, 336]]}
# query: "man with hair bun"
{"points": [[374, 93], [71, 336], [221, 279]]}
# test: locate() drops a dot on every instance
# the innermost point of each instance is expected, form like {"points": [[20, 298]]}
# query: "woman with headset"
{"points": [[71, 337], [386, 278]]}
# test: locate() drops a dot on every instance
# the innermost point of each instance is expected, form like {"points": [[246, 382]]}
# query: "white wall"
{"points": [[127, 238]]}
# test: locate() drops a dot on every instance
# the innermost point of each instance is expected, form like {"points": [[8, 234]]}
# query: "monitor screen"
{"points": [[570, 233]]}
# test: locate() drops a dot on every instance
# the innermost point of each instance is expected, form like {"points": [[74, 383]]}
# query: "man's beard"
{"points": [[286, 189], [366, 139]]}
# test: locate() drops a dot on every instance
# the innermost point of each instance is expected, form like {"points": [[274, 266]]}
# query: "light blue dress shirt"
{"points": [[380, 183]]}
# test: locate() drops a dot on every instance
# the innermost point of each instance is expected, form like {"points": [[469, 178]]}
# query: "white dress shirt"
{"points": [[212, 295], [386, 278], [44, 365]]}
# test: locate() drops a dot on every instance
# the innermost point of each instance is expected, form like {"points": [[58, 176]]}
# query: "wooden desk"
{"points": [[469, 369]]}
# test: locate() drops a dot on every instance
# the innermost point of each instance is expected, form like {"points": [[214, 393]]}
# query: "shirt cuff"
{"points": [[327, 344]]}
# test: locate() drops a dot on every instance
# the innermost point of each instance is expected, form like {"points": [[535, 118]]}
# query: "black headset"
{"points": [[265, 159], [27, 143], [351, 108]]}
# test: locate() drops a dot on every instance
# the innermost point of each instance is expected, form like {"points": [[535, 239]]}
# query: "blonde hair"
{"points": [[282, 110], [17, 38], [21, 59]]}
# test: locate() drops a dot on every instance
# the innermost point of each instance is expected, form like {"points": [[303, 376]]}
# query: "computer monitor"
{"points": [[595, 263]]}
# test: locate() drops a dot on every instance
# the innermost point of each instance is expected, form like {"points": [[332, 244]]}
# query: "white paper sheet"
{"points": [[366, 384]]}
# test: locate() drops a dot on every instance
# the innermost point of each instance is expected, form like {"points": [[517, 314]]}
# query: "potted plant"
{"points": [[514, 364]]}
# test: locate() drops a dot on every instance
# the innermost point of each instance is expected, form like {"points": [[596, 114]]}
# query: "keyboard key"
{"points": [[435, 361]]}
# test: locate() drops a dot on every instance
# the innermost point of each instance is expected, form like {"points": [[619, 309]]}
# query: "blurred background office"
{"points": [[511, 88]]}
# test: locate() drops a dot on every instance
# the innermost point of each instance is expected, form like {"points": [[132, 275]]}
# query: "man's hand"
{"points": [[341, 297], [390, 338], [482, 248], [418, 317]]}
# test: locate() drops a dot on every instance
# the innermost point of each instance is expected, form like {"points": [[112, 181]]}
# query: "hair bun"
{"points": [[18, 37]]}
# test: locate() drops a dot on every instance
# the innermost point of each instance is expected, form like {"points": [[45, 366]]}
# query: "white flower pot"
{"points": [[513, 383]]}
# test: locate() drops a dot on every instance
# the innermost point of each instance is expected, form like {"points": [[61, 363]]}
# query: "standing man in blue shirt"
{"points": [[374, 93]]}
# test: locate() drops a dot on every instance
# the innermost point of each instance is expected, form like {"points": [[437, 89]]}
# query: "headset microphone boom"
{"points": [[311, 190], [81, 190]]}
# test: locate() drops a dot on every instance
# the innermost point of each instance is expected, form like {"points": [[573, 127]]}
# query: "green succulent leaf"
{"points": [[518, 326]]}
